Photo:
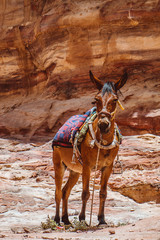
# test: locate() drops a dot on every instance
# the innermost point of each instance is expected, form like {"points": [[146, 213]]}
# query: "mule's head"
{"points": [[106, 100]]}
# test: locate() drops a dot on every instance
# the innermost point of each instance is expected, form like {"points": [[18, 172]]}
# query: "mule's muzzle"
{"points": [[104, 124]]}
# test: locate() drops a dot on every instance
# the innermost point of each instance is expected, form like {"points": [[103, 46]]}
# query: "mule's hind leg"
{"points": [[59, 172], [85, 191], [72, 180], [105, 173]]}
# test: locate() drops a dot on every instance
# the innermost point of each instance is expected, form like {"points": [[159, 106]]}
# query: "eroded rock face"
{"points": [[48, 47], [142, 154]]}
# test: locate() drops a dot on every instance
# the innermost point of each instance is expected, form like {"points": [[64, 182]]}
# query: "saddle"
{"points": [[66, 134]]}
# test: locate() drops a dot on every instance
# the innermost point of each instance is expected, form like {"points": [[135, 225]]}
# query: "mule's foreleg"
{"points": [[59, 172], [105, 173], [72, 180], [85, 192]]}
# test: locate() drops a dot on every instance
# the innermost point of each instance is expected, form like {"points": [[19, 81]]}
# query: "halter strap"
{"points": [[94, 142]]}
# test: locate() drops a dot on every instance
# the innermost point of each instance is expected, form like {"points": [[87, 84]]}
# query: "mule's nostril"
{"points": [[103, 126]]}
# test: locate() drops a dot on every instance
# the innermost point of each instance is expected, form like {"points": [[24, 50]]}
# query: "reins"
{"points": [[94, 186]]}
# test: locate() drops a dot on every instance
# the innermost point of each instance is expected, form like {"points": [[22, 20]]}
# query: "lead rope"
{"points": [[94, 186]]}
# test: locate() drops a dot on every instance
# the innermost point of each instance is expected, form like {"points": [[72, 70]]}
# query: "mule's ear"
{"points": [[98, 84], [122, 81]]}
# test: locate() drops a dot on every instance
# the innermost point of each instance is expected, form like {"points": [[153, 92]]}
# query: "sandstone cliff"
{"points": [[47, 48]]}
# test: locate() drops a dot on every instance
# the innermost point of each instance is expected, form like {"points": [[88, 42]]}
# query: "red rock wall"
{"points": [[47, 48]]}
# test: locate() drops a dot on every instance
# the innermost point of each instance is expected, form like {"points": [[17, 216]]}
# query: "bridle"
{"points": [[103, 144]]}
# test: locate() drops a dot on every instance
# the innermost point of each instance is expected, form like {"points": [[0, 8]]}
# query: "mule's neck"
{"points": [[107, 137]]}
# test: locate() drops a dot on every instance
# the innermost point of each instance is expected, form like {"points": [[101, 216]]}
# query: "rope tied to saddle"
{"points": [[118, 166]]}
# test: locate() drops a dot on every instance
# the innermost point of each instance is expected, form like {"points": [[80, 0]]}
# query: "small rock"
{"points": [[26, 230], [112, 231], [2, 236], [39, 179], [17, 230], [25, 236], [132, 210]]}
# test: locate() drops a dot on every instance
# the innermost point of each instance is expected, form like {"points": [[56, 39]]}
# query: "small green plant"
{"points": [[49, 224], [121, 224], [76, 225], [79, 225]]}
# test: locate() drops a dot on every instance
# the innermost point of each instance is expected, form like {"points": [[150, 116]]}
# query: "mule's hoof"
{"points": [[57, 220], [66, 221], [81, 218], [102, 223]]}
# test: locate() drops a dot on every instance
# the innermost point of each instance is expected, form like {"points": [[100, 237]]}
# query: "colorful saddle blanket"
{"points": [[66, 134]]}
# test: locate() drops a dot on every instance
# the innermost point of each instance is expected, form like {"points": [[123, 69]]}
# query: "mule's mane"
{"points": [[108, 87]]}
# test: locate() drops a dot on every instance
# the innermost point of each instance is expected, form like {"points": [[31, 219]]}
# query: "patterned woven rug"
{"points": [[65, 135]]}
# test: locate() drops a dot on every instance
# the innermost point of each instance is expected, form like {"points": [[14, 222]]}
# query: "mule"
{"points": [[101, 136]]}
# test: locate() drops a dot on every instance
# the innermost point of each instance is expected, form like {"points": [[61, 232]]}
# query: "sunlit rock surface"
{"points": [[27, 192]]}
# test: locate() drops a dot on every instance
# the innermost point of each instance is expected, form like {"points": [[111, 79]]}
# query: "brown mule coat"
{"points": [[103, 126]]}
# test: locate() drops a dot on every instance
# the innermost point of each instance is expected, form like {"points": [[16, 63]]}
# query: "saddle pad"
{"points": [[66, 133]]}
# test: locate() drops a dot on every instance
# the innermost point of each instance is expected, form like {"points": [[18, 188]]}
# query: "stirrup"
{"points": [[118, 166]]}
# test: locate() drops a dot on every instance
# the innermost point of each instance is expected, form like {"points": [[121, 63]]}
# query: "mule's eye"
{"points": [[112, 105], [97, 100]]}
